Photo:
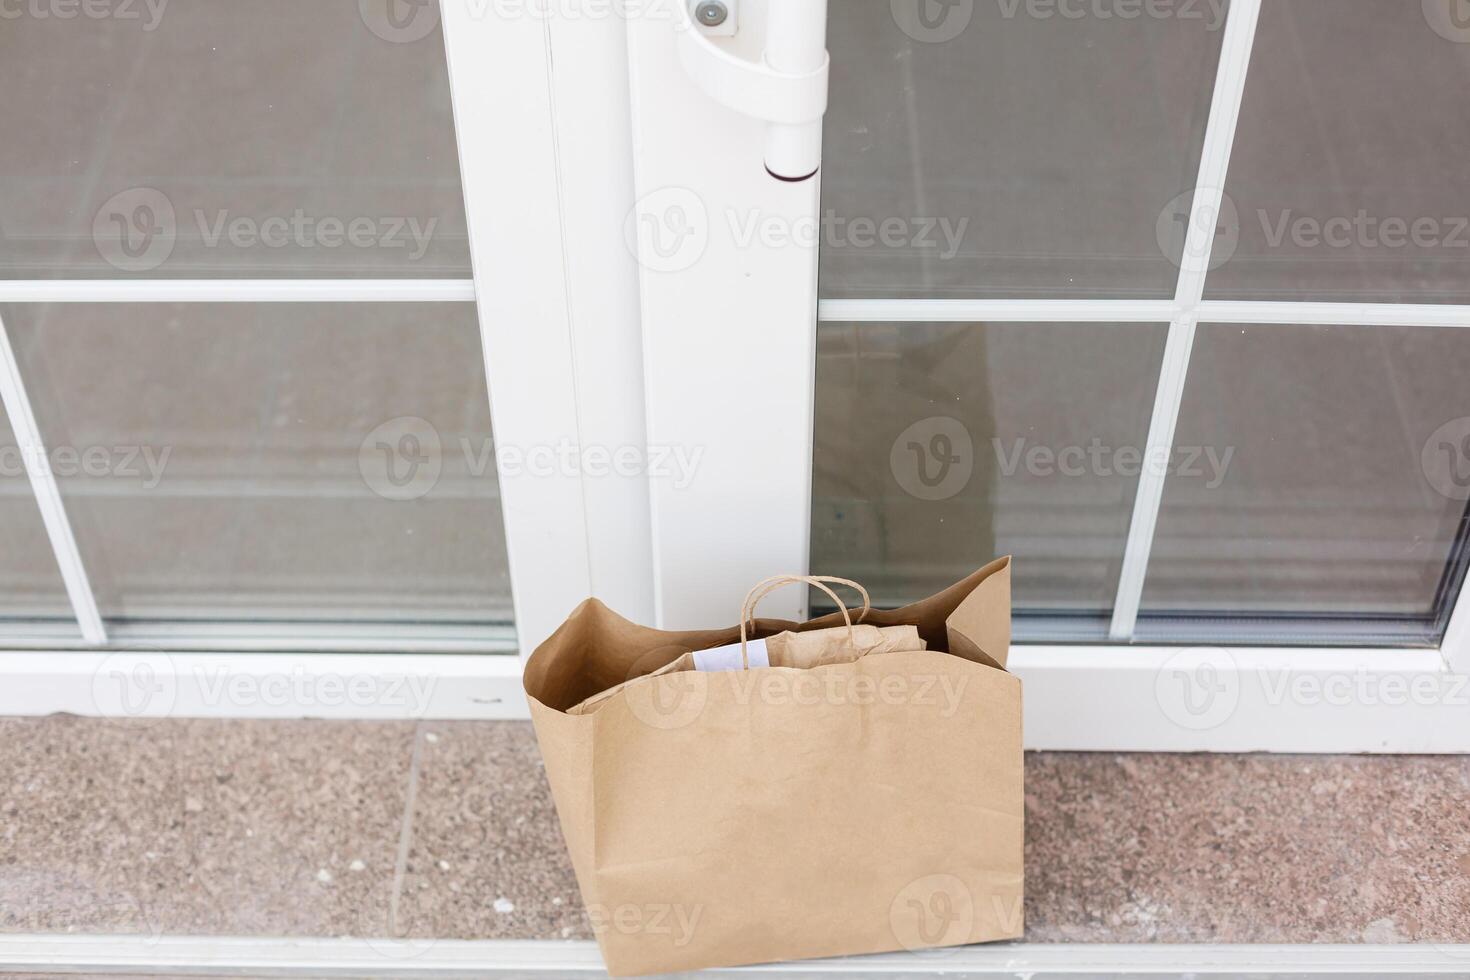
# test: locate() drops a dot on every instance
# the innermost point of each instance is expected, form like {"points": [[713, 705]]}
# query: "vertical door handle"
{"points": [[787, 88]]}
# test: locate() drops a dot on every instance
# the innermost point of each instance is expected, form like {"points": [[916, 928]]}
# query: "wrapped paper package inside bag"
{"points": [[853, 797], [839, 644]]}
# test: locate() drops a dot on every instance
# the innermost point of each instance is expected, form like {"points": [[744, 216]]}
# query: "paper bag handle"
{"points": [[767, 586]]}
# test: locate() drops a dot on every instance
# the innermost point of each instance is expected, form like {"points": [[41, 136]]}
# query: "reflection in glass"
{"points": [[30, 583], [1348, 183], [1345, 492], [216, 139], [273, 462], [1000, 152], [940, 446]]}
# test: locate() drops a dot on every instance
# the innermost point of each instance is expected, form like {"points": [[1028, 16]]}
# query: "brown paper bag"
{"points": [[725, 818]]}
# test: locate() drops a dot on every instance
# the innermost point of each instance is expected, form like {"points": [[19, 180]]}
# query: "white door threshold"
{"points": [[239, 955]]}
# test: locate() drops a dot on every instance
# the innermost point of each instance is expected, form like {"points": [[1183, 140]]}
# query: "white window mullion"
{"points": [[1455, 648], [1264, 313], [1150, 492], [238, 291], [48, 494], [1209, 190], [1235, 56], [1340, 314], [994, 311]]}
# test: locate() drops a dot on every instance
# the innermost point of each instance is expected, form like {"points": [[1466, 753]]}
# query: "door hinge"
{"points": [[787, 88]]}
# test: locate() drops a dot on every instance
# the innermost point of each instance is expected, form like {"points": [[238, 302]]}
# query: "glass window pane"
{"points": [[1011, 149], [1348, 174], [1345, 489], [30, 583], [940, 446], [273, 462], [216, 138]]}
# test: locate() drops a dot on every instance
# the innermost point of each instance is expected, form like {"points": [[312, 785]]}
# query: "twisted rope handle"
{"points": [[765, 587]]}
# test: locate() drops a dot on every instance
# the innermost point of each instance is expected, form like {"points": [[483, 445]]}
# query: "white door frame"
{"points": [[268, 956], [564, 151]]}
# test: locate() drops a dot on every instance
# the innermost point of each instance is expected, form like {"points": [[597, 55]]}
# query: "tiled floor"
{"points": [[447, 829]]}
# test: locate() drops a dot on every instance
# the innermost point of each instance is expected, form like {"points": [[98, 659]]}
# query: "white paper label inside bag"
{"points": [[728, 657]]}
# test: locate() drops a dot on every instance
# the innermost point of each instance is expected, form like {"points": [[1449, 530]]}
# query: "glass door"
{"points": [[1163, 299], [1144, 295], [243, 376], [267, 272]]}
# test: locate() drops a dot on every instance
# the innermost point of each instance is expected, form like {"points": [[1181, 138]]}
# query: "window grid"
{"points": [[22, 415], [1187, 310], [48, 495], [1183, 314], [238, 291]]}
